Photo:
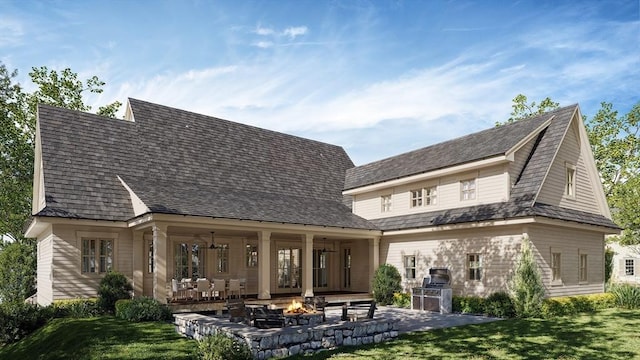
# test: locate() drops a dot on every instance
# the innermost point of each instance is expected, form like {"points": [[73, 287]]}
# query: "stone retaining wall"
{"points": [[289, 341]]}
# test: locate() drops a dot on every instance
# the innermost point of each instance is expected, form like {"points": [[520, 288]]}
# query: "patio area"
{"points": [[387, 324]]}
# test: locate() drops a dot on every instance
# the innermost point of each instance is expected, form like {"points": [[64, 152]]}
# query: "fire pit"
{"points": [[298, 314]]}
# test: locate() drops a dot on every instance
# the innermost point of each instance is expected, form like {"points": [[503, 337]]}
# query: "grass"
{"points": [[609, 334], [102, 338]]}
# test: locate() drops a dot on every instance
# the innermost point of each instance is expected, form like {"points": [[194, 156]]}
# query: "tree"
{"points": [[17, 272], [522, 109], [616, 148], [527, 290], [18, 111]]}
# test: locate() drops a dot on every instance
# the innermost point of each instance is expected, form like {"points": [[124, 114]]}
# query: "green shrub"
{"points": [[113, 287], [222, 347], [386, 282], [19, 319], [142, 309], [499, 304], [626, 296], [402, 299], [468, 304], [572, 305], [608, 264], [76, 308], [527, 290]]}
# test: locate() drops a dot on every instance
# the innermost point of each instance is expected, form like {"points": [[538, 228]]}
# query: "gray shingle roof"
{"points": [[477, 146], [488, 212], [185, 163], [523, 193]]}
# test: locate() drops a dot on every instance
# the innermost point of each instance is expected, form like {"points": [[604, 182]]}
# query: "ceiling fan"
{"points": [[324, 248]]}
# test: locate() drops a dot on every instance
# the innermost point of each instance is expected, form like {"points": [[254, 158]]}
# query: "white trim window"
{"points": [[222, 258], [385, 203], [251, 254], [570, 181], [468, 189], [474, 266], [97, 255], [431, 195], [416, 198], [410, 267], [629, 267], [150, 258], [583, 268], [556, 269]]}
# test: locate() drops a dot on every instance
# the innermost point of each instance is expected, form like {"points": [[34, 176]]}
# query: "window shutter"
{"points": [[621, 272], [636, 265]]}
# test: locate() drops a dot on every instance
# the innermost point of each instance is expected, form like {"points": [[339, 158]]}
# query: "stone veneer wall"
{"points": [[289, 341]]}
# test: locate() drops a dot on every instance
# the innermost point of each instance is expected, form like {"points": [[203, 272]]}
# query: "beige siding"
{"points": [[553, 189], [45, 270], [491, 186], [620, 254], [520, 160], [359, 265], [498, 248], [570, 243], [68, 280]]}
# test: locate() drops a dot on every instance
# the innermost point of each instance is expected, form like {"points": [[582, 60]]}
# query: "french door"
{"points": [[346, 268], [289, 268]]}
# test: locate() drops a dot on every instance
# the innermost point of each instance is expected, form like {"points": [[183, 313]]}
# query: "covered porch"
{"points": [[276, 261]]}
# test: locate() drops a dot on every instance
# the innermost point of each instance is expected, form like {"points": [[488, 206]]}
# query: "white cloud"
{"points": [[263, 44], [264, 31], [293, 32]]}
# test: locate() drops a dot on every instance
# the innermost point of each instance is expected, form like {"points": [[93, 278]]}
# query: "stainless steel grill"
{"points": [[435, 293]]}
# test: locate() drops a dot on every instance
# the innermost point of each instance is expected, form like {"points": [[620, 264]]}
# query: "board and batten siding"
{"points": [[44, 274], [492, 186], [498, 248], [68, 280], [570, 243], [553, 189]]}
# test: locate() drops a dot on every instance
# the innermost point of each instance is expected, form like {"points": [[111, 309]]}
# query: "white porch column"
{"points": [[307, 265], [138, 263], [374, 258], [160, 257], [264, 265]]}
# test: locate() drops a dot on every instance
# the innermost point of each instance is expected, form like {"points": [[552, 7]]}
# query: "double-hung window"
{"points": [[468, 189], [583, 268], [385, 201], [431, 195], [410, 267], [474, 266], [416, 198], [97, 255]]}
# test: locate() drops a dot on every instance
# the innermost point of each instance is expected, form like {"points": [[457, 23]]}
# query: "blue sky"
{"points": [[376, 77]]}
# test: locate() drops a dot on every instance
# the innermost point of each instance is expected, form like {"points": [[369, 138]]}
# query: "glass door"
{"points": [[346, 268], [320, 268], [289, 268]]}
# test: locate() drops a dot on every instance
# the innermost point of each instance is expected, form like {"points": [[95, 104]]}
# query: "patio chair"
{"points": [[234, 287], [203, 286], [243, 286], [219, 288]]}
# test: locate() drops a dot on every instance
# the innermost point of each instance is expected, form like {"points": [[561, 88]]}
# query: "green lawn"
{"points": [[610, 334], [102, 338]]}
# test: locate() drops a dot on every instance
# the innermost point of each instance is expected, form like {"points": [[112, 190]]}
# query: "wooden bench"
{"points": [[370, 307], [263, 317]]}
